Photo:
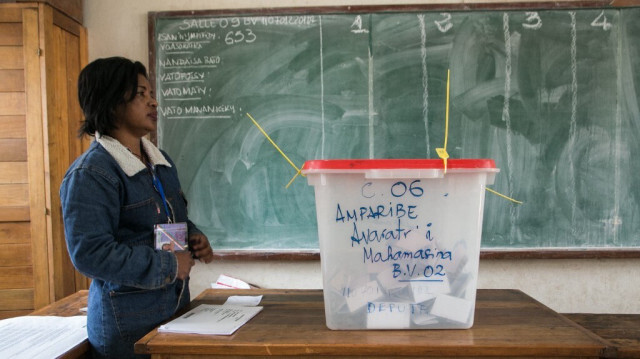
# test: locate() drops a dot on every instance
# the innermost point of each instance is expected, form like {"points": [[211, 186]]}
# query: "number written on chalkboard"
{"points": [[356, 27], [444, 24], [534, 21], [235, 37], [601, 21]]}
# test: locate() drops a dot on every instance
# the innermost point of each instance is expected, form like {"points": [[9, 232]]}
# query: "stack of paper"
{"points": [[40, 336], [211, 319]]}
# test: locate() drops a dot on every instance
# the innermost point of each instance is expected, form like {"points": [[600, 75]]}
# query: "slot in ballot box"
{"points": [[399, 240]]}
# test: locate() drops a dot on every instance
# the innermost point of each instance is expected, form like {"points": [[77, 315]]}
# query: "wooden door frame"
{"points": [[54, 275]]}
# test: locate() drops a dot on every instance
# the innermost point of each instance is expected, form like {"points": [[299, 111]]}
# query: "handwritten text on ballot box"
{"points": [[399, 240]]}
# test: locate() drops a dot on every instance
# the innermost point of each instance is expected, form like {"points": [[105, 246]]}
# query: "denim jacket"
{"points": [[109, 208]]}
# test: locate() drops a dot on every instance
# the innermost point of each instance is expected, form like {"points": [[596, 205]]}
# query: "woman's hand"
{"points": [[185, 262], [200, 248]]}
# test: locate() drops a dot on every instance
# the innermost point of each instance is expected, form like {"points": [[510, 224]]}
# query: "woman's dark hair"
{"points": [[102, 86]]}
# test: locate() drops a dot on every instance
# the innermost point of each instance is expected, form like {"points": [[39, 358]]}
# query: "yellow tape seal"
{"points": [[279, 150], [503, 196], [442, 152]]}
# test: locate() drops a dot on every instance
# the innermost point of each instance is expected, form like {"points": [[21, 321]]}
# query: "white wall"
{"points": [[119, 27]]}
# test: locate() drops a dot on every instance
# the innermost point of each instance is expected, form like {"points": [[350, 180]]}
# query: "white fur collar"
{"points": [[129, 163]]}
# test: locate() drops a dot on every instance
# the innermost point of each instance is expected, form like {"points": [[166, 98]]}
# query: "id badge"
{"points": [[171, 236]]}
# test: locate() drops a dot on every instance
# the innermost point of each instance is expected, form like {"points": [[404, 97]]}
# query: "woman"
{"points": [[113, 196]]}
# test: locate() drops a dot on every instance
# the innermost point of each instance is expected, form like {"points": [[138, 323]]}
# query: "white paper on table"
{"points": [[40, 336], [226, 282], [244, 300], [211, 319]]}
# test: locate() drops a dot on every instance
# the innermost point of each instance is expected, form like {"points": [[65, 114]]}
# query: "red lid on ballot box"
{"points": [[391, 164]]}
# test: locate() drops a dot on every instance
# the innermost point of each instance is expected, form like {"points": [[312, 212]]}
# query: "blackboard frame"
{"points": [[486, 253]]}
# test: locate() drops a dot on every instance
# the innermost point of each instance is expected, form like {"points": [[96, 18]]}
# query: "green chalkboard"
{"points": [[550, 94]]}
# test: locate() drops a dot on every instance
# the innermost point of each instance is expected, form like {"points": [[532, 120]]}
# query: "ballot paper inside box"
{"points": [[399, 241]]}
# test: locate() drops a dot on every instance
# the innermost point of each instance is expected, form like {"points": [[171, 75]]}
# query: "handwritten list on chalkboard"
{"points": [[550, 95]]}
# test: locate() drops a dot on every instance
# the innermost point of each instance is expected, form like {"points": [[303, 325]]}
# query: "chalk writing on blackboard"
{"points": [[550, 95]]}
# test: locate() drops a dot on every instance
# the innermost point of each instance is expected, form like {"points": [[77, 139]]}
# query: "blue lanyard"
{"points": [[157, 185]]}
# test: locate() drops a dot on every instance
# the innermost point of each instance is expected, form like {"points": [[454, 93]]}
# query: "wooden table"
{"points": [[621, 330], [68, 307], [508, 323]]}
